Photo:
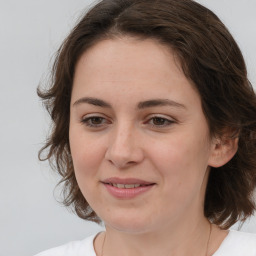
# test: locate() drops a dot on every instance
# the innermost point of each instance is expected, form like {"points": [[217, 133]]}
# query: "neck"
{"points": [[179, 240]]}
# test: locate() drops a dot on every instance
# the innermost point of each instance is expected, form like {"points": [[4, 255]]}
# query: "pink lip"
{"points": [[126, 193], [116, 180]]}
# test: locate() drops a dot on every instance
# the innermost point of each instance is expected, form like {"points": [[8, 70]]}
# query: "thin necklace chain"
{"points": [[208, 242], [103, 243], [207, 247]]}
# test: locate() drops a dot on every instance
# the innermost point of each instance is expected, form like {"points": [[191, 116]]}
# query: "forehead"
{"points": [[127, 65], [128, 54]]}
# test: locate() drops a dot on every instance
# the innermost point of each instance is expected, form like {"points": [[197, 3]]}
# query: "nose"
{"points": [[124, 148]]}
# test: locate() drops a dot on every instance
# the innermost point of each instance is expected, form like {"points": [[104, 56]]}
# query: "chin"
{"points": [[129, 224], [127, 228]]}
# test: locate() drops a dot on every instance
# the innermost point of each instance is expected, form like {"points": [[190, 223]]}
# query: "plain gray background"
{"points": [[30, 32]]}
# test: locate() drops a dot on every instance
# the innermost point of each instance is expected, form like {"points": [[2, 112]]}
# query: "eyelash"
{"points": [[88, 121], [167, 122]]}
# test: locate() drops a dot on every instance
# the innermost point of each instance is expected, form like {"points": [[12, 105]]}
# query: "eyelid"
{"points": [[87, 118], [94, 114], [170, 121]]}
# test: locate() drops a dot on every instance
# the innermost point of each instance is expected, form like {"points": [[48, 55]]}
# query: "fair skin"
{"points": [[135, 115]]}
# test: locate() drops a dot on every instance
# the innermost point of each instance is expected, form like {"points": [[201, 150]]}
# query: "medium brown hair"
{"points": [[210, 59]]}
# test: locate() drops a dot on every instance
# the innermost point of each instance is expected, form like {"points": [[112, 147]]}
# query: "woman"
{"points": [[154, 131]]}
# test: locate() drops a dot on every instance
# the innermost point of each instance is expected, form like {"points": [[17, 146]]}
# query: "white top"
{"points": [[235, 244]]}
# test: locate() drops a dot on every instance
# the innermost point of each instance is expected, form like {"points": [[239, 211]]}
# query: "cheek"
{"points": [[86, 152], [182, 159], [182, 167]]}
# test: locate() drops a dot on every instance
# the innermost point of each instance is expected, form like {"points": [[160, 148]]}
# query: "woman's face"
{"points": [[138, 136]]}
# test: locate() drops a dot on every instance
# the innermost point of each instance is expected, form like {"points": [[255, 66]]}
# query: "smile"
{"points": [[126, 188], [126, 185]]}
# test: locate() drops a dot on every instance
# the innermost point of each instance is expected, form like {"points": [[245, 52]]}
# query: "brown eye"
{"points": [[94, 121], [159, 121]]}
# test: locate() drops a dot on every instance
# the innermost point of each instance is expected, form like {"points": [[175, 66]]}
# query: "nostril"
{"points": [[121, 164], [123, 157], [131, 162]]}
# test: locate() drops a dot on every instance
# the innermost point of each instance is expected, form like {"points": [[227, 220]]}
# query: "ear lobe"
{"points": [[223, 151]]}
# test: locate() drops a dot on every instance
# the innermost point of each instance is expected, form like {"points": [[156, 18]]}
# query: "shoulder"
{"points": [[78, 248], [237, 244]]}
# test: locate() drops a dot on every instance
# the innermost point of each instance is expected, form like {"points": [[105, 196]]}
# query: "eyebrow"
{"points": [[93, 101], [141, 105], [159, 102]]}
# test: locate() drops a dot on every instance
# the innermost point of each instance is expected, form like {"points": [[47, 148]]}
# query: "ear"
{"points": [[222, 151]]}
